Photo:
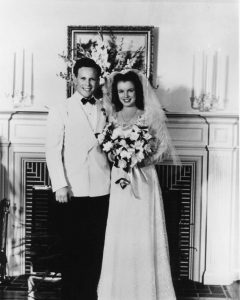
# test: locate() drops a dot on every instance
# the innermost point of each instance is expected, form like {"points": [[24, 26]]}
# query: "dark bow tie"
{"points": [[91, 100]]}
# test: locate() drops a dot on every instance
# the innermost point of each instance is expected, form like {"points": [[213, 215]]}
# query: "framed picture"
{"points": [[114, 48]]}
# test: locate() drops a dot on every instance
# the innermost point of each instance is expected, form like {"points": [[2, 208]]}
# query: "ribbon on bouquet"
{"points": [[136, 178]]}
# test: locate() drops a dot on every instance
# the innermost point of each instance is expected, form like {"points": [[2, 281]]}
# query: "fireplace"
{"points": [[206, 186], [176, 183]]}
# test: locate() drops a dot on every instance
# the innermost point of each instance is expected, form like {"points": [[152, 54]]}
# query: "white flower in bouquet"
{"points": [[131, 150], [138, 145], [107, 146], [134, 136], [123, 143], [134, 160], [122, 164], [101, 137], [125, 154], [140, 156], [148, 148], [118, 151], [147, 136]]}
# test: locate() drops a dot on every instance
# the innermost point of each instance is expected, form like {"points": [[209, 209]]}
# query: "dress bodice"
{"points": [[139, 121]]}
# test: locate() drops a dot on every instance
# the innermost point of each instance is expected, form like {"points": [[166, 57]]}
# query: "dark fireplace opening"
{"points": [[42, 240], [172, 209], [45, 248]]}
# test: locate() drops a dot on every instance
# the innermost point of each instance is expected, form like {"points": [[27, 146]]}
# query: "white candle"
{"points": [[203, 71], [216, 73], [32, 78], [215, 78], [193, 74], [14, 74], [213, 75], [23, 72], [226, 79], [206, 75], [219, 79]]}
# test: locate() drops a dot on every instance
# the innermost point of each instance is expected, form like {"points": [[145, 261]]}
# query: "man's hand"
{"points": [[62, 194]]}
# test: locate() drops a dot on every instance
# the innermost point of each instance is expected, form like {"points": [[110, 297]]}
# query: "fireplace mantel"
{"points": [[207, 139]]}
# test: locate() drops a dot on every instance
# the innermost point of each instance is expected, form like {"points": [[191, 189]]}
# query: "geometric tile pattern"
{"points": [[194, 290], [36, 173], [179, 178]]}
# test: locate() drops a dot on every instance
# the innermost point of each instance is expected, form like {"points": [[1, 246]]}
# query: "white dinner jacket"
{"points": [[74, 157]]}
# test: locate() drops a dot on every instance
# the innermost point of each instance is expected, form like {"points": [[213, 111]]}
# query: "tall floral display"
{"points": [[108, 53]]}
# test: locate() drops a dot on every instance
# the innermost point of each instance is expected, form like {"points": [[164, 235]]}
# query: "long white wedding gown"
{"points": [[136, 261]]}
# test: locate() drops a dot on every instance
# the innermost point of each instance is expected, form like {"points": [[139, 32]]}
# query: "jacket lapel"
{"points": [[82, 121]]}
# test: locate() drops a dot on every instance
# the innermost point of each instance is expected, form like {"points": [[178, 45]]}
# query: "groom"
{"points": [[80, 178]]}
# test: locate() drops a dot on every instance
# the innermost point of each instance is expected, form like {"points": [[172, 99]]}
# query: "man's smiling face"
{"points": [[87, 81]]}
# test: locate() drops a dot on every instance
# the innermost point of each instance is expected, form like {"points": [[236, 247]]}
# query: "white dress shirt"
{"points": [[91, 113]]}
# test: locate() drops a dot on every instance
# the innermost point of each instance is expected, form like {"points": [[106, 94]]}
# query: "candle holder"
{"points": [[31, 100], [20, 100], [205, 102]]}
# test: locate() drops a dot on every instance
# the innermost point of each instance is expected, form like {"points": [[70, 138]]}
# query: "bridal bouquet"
{"points": [[126, 148]]}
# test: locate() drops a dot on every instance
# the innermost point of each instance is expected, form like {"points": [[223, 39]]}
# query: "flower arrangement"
{"points": [[126, 148], [107, 53]]}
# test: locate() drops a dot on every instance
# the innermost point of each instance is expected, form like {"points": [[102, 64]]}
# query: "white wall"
{"points": [[185, 28]]}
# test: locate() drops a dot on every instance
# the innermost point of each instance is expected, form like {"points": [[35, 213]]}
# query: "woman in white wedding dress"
{"points": [[136, 260]]}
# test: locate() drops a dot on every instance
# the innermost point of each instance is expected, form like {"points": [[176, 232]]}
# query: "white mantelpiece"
{"points": [[222, 206], [208, 140]]}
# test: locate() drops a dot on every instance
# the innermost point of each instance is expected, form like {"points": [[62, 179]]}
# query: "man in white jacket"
{"points": [[80, 177]]}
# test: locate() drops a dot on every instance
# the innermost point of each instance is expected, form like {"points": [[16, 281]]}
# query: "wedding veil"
{"points": [[154, 115]]}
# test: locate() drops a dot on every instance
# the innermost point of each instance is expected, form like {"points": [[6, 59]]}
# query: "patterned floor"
{"points": [[194, 290], [17, 289]]}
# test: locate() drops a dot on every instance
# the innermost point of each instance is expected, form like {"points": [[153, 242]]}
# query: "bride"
{"points": [[135, 261]]}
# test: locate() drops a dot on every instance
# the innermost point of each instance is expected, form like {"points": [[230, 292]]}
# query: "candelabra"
{"points": [[205, 102], [19, 99], [22, 99], [213, 83]]}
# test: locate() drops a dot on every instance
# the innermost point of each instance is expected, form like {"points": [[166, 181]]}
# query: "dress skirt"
{"points": [[136, 260]]}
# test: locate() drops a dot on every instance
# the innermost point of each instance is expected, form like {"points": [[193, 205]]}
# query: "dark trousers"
{"points": [[82, 229]]}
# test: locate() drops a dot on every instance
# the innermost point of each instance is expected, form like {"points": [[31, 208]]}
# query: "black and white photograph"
{"points": [[119, 150]]}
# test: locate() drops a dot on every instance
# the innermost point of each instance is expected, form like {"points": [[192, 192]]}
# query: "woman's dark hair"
{"points": [[132, 77], [86, 62]]}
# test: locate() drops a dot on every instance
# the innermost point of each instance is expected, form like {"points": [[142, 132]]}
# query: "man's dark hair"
{"points": [[132, 77], [86, 62]]}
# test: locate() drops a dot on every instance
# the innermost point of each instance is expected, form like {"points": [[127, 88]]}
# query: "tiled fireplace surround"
{"points": [[206, 141]]}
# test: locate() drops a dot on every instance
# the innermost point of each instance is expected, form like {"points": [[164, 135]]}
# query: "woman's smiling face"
{"points": [[126, 93]]}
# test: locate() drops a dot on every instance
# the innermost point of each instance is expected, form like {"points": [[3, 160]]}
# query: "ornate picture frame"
{"points": [[132, 45]]}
